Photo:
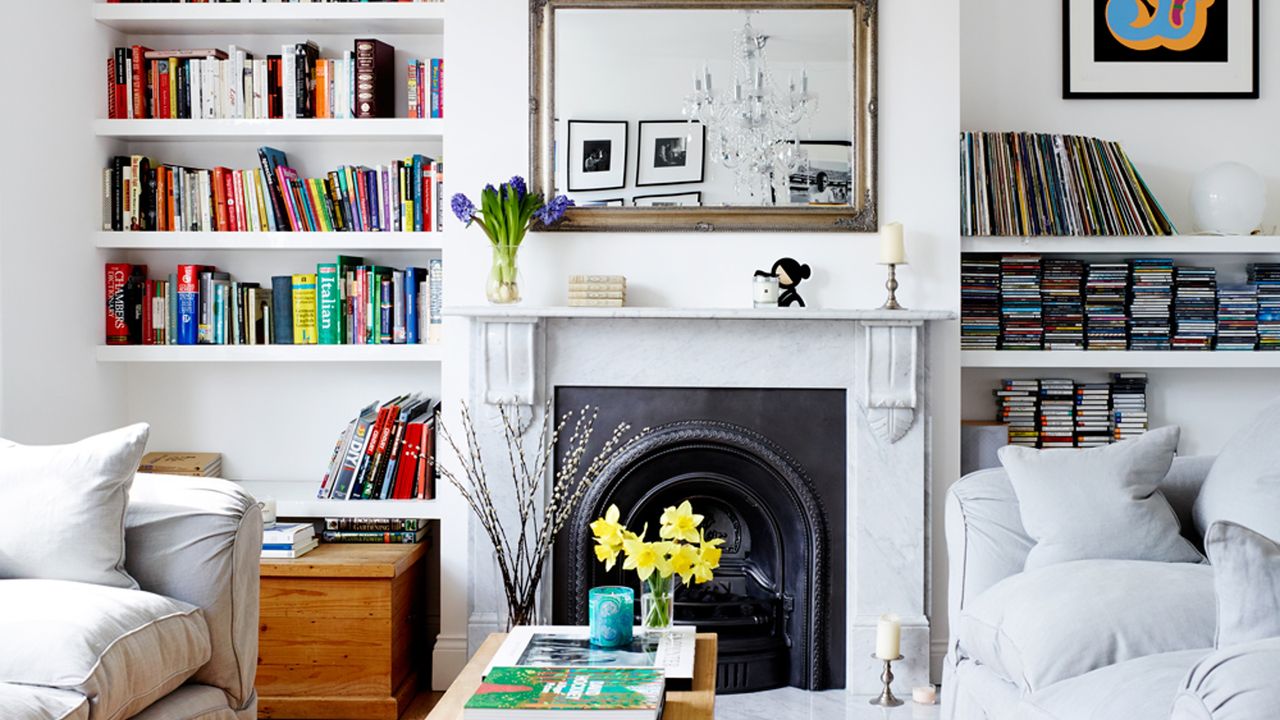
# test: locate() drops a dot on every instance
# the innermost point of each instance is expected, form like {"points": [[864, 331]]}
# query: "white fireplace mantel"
{"points": [[520, 355]]}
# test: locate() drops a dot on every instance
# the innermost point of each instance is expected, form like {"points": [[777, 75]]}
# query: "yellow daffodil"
{"points": [[683, 559], [645, 558], [708, 558], [607, 529], [680, 523], [608, 554]]}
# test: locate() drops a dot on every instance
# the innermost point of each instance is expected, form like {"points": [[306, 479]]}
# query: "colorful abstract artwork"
{"points": [[1160, 48]]}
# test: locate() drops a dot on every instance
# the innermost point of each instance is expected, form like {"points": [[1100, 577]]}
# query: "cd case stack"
{"points": [[1195, 306], [1020, 308], [980, 302], [1237, 317], [1093, 415], [1018, 401], [1063, 306], [1129, 404], [1057, 413], [1266, 276], [1149, 312], [1105, 294]]}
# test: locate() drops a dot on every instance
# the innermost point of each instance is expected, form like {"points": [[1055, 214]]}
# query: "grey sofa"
{"points": [[1090, 639], [184, 647]]}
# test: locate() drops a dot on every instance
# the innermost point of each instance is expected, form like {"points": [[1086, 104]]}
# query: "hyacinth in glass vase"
{"points": [[506, 214]]}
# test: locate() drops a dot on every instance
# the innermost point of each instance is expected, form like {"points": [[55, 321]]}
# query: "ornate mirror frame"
{"points": [[861, 217]]}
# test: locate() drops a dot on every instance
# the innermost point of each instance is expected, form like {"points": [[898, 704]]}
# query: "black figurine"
{"points": [[790, 273]]}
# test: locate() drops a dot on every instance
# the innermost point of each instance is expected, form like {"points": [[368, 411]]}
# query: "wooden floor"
{"points": [[422, 705]]}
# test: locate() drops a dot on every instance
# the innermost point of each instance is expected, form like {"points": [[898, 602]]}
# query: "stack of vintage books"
{"points": [[597, 290], [190, 464]]}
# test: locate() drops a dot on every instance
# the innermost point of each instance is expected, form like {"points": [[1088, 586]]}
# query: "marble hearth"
{"points": [[522, 355]]}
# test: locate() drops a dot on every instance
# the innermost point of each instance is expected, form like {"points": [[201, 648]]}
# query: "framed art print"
{"points": [[672, 152], [1160, 48], [597, 155], [689, 199]]}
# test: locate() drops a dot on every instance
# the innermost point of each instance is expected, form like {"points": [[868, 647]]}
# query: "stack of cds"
{"points": [[1129, 404], [1020, 308], [1093, 415], [1063, 306], [1195, 308], [1017, 400], [1152, 293], [1105, 294], [979, 303], [1237, 317], [1266, 276], [1057, 413]]}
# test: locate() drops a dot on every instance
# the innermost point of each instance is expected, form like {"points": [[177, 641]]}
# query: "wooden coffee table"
{"points": [[698, 703]]}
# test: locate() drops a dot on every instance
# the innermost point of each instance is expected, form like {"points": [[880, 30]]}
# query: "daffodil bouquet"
{"points": [[682, 551]]}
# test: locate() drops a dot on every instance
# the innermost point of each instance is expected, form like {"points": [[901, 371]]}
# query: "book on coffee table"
{"points": [[570, 646], [586, 693]]}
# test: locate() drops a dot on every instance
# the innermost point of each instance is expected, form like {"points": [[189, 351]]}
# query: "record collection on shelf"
{"points": [[1062, 413]]}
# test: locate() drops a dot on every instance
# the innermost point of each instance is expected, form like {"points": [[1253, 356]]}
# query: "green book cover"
{"points": [[563, 689], [329, 304]]}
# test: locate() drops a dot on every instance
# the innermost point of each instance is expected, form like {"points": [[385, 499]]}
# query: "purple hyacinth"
{"points": [[464, 208], [553, 211], [517, 183]]}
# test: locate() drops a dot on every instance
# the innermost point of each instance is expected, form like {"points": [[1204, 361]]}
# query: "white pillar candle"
{"points": [[892, 248], [888, 636], [926, 695], [268, 511]]}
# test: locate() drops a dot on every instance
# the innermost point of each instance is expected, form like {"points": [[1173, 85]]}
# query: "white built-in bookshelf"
{"points": [[1131, 245], [1127, 360], [273, 411]]}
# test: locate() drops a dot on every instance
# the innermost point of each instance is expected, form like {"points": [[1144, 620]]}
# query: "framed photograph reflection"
{"points": [[688, 199], [672, 152], [597, 155]]}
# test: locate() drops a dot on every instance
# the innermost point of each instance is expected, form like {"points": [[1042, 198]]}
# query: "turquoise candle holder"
{"points": [[612, 612]]}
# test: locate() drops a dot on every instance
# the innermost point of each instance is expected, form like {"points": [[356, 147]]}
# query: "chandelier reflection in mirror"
{"points": [[752, 127]]}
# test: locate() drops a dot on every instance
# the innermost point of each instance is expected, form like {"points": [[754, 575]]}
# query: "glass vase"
{"points": [[503, 286], [657, 605]]}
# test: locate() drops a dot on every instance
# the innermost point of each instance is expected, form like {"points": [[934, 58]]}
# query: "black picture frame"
{"points": [[640, 160], [696, 193], [1068, 93], [614, 153]]}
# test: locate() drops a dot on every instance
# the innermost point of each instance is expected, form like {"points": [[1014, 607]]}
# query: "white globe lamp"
{"points": [[1228, 199]]}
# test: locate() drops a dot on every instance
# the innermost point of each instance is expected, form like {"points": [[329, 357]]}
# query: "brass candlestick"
{"points": [[892, 286], [887, 698]]}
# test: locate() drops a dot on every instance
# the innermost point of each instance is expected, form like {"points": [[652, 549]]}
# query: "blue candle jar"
{"points": [[612, 612]]}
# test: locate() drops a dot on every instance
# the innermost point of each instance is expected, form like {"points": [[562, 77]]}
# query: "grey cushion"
{"points": [[1235, 683], [1060, 621], [1243, 485], [1140, 689], [28, 702], [122, 649], [1099, 503], [190, 702], [1246, 569], [62, 507]]}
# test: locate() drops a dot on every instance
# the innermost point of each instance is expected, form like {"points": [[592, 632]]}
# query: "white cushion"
{"points": [[1139, 689], [62, 507], [1100, 503], [1057, 622], [1235, 683], [27, 702], [1243, 485], [122, 649], [1246, 575]]}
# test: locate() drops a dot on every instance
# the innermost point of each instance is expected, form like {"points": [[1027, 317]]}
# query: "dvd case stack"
{"points": [[1063, 304], [1266, 277], [1195, 307], [1021, 306], [980, 302], [1152, 299], [1105, 294], [1057, 422], [1129, 404], [1093, 415], [1237, 317], [1018, 402]]}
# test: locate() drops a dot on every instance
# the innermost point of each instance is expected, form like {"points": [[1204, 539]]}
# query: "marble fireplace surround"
{"points": [[520, 355]]}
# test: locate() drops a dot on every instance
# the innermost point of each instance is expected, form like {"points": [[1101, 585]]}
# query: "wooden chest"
{"points": [[341, 633]]}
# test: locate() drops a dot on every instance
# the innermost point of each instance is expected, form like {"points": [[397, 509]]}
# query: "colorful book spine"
{"points": [[304, 309], [329, 328]]}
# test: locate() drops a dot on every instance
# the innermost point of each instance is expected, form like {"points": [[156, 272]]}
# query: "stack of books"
{"points": [[194, 464], [1152, 301], [374, 530], [1195, 308], [1106, 291], [1237, 317], [1266, 276], [597, 290], [1057, 420], [288, 540], [387, 452], [1018, 403], [1093, 415], [1021, 308], [980, 302], [1063, 304], [1128, 404]]}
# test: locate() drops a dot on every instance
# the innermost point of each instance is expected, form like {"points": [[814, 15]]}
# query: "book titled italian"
{"points": [[583, 692]]}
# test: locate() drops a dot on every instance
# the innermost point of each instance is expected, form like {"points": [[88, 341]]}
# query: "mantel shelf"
{"points": [[1137, 245], [1012, 359], [268, 241], [270, 19], [269, 353], [232, 130], [497, 312]]}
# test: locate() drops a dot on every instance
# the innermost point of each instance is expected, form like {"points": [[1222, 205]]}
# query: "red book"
{"points": [[385, 414], [220, 199], [111, 89], [407, 469], [242, 218], [229, 193], [140, 75], [428, 197], [427, 472], [148, 323], [117, 328], [286, 177]]}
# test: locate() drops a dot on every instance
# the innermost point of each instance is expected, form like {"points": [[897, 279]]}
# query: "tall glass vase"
{"points": [[657, 605], [503, 286]]}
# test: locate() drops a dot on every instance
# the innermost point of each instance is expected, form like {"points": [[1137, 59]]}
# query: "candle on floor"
{"points": [[927, 695], [888, 637], [892, 249]]}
